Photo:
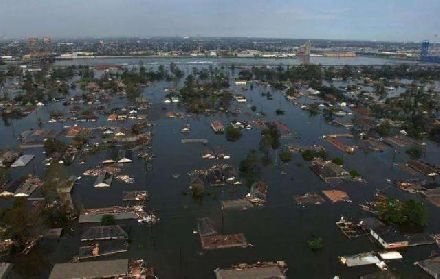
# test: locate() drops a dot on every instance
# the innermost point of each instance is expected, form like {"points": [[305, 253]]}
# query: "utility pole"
{"points": [[223, 221], [181, 261], [394, 158]]}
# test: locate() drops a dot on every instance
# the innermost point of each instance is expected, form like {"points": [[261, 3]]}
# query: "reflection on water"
{"points": [[359, 60]]}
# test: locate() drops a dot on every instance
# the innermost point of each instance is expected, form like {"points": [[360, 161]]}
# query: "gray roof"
{"points": [[380, 275], [22, 161], [250, 273], [103, 248], [96, 218], [4, 269], [54, 233], [104, 232], [206, 226], [236, 204], [431, 266], [92, 269]]}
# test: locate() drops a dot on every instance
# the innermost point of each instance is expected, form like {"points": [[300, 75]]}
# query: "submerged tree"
{"points": [[249, 167], [232, 133], [404, 213], [316, 243], [22, 222], [108, 220], [271, 136], [415, 152], [285, 156]]}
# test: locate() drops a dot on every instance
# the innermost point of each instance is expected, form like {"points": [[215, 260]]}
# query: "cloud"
{"points": [[339, 19], [312, 15]]}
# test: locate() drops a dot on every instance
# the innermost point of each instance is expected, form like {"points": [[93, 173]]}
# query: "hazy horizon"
{"points": [[375, 20]]}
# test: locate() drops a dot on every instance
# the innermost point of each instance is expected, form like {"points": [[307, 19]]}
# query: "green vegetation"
{"points": [[407, 213], [329, 113], [249, 167], [245, 74], [309, 154], [415, 152], [54, 146], [232, 134], [108, 220], [176, 71], [22, 222], [292, 92], [313, 109], [316, 243], [414, 109], [5, 175], [56, 217], [55, 177], [384, 128], [354, 173], [253, 108], [338, 161], [330, 93], [270, 137], [197, 189], [279, 112], [434, 134], [285, 156], [209, 96]]}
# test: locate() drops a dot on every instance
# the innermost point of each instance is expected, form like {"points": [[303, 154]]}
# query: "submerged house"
{"points": [[74, 131], [28, 187], [206, 226], [423, 168], [329, 171], [103, 240], [91, 269], [197, 186], [8, 189], [258, 193], [217, 126], [36, 137], [430, 266], [387, 236], [273, 270], [22, 161]]}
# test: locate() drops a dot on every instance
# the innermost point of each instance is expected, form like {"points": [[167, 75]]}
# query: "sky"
{"points": [[384, 20]]}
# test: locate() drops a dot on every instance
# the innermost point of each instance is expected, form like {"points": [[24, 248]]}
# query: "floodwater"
{"points": [[239, 61], [278, 231]]}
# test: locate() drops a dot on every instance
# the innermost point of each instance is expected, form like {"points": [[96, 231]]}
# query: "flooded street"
{"points": [[279, 230]]}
